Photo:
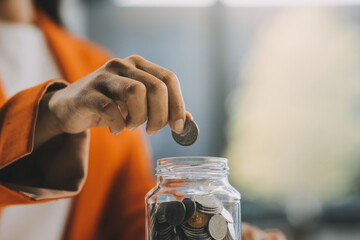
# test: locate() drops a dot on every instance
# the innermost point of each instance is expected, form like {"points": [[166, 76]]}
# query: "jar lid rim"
{"points": [[192, 158], [192, 165]]}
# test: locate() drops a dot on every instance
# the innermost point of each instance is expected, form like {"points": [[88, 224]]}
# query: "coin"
{"points": [[198, 220], [218, 227], [190, 208], [160, 213], [196, 233], [165, 231], [231, 232], [189, 134], [175, 213], [208, 204], [225, 213], [208, 219]]}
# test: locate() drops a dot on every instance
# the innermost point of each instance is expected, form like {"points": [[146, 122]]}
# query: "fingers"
{"points": [[130, 96], [163, 94], [136, 103], [107, 111], [176, 106], [157, 99], [189, 115], [135, 100], [123, 109], [122, 93]]}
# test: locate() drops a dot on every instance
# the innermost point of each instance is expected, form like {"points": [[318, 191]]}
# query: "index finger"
{"points": [[177, 111]]}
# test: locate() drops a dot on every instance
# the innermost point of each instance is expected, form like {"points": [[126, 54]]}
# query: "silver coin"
{"points": [[218, 227], [227, 215], [196, 233], [231, 231], [206, 201], [208, 204], [168, 222], [189, 135]]}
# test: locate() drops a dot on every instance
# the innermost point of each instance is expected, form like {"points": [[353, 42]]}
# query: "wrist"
{"points": [[47, 124]]}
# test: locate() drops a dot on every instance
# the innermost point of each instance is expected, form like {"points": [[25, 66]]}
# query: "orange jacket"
{"points": [[117, 169]]}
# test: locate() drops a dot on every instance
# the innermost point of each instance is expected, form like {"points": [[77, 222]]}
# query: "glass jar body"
{"points": [[193, 199]]}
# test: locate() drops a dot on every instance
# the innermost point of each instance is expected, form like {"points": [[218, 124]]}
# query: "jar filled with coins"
{"points": [[193, 199]]}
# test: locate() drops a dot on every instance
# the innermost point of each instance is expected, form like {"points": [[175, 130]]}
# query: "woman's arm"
{"points": [[122, 93], [21, 178]]}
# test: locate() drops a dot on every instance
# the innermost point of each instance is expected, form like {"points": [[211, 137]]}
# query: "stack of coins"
{"points": [[199, 217]]}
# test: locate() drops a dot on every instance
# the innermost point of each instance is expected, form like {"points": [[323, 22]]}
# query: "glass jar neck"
{"points": [[192, 169]]}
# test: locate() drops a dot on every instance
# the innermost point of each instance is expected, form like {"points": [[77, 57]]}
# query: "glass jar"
{"points": [[193, 199]]}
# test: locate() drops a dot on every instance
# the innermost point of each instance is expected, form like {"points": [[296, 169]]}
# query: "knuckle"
{"points": [[169, 78], [158, 88], [100, 77], [135, 58], [136, 89], [114, 64]]}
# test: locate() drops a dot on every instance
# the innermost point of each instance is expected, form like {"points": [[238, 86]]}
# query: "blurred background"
{"points": [[274, 86]]}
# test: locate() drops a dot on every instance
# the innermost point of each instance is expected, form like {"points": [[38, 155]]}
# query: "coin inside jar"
{"points": [[208, 204], [175, 213], [190, 208], [189, 135], [218, 227], [198, 220], [225, 213], [160, 213], [197, 217]]}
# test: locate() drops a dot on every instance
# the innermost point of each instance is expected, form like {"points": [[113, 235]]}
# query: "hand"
{"points": [[122, 93], [250, 232]]}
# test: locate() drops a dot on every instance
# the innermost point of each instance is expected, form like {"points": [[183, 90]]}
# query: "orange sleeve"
{"points": [[125, 210], [21, 179]]}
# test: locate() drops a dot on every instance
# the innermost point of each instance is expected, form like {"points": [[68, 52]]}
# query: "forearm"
{"points": [[56, 169]]}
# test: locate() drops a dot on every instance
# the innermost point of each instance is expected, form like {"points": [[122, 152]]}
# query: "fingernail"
{"points": [[188, 115], [179, 125], [152, 133]]}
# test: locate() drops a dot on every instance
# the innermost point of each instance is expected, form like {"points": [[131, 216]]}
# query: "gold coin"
{"points": [[198, 220]]}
